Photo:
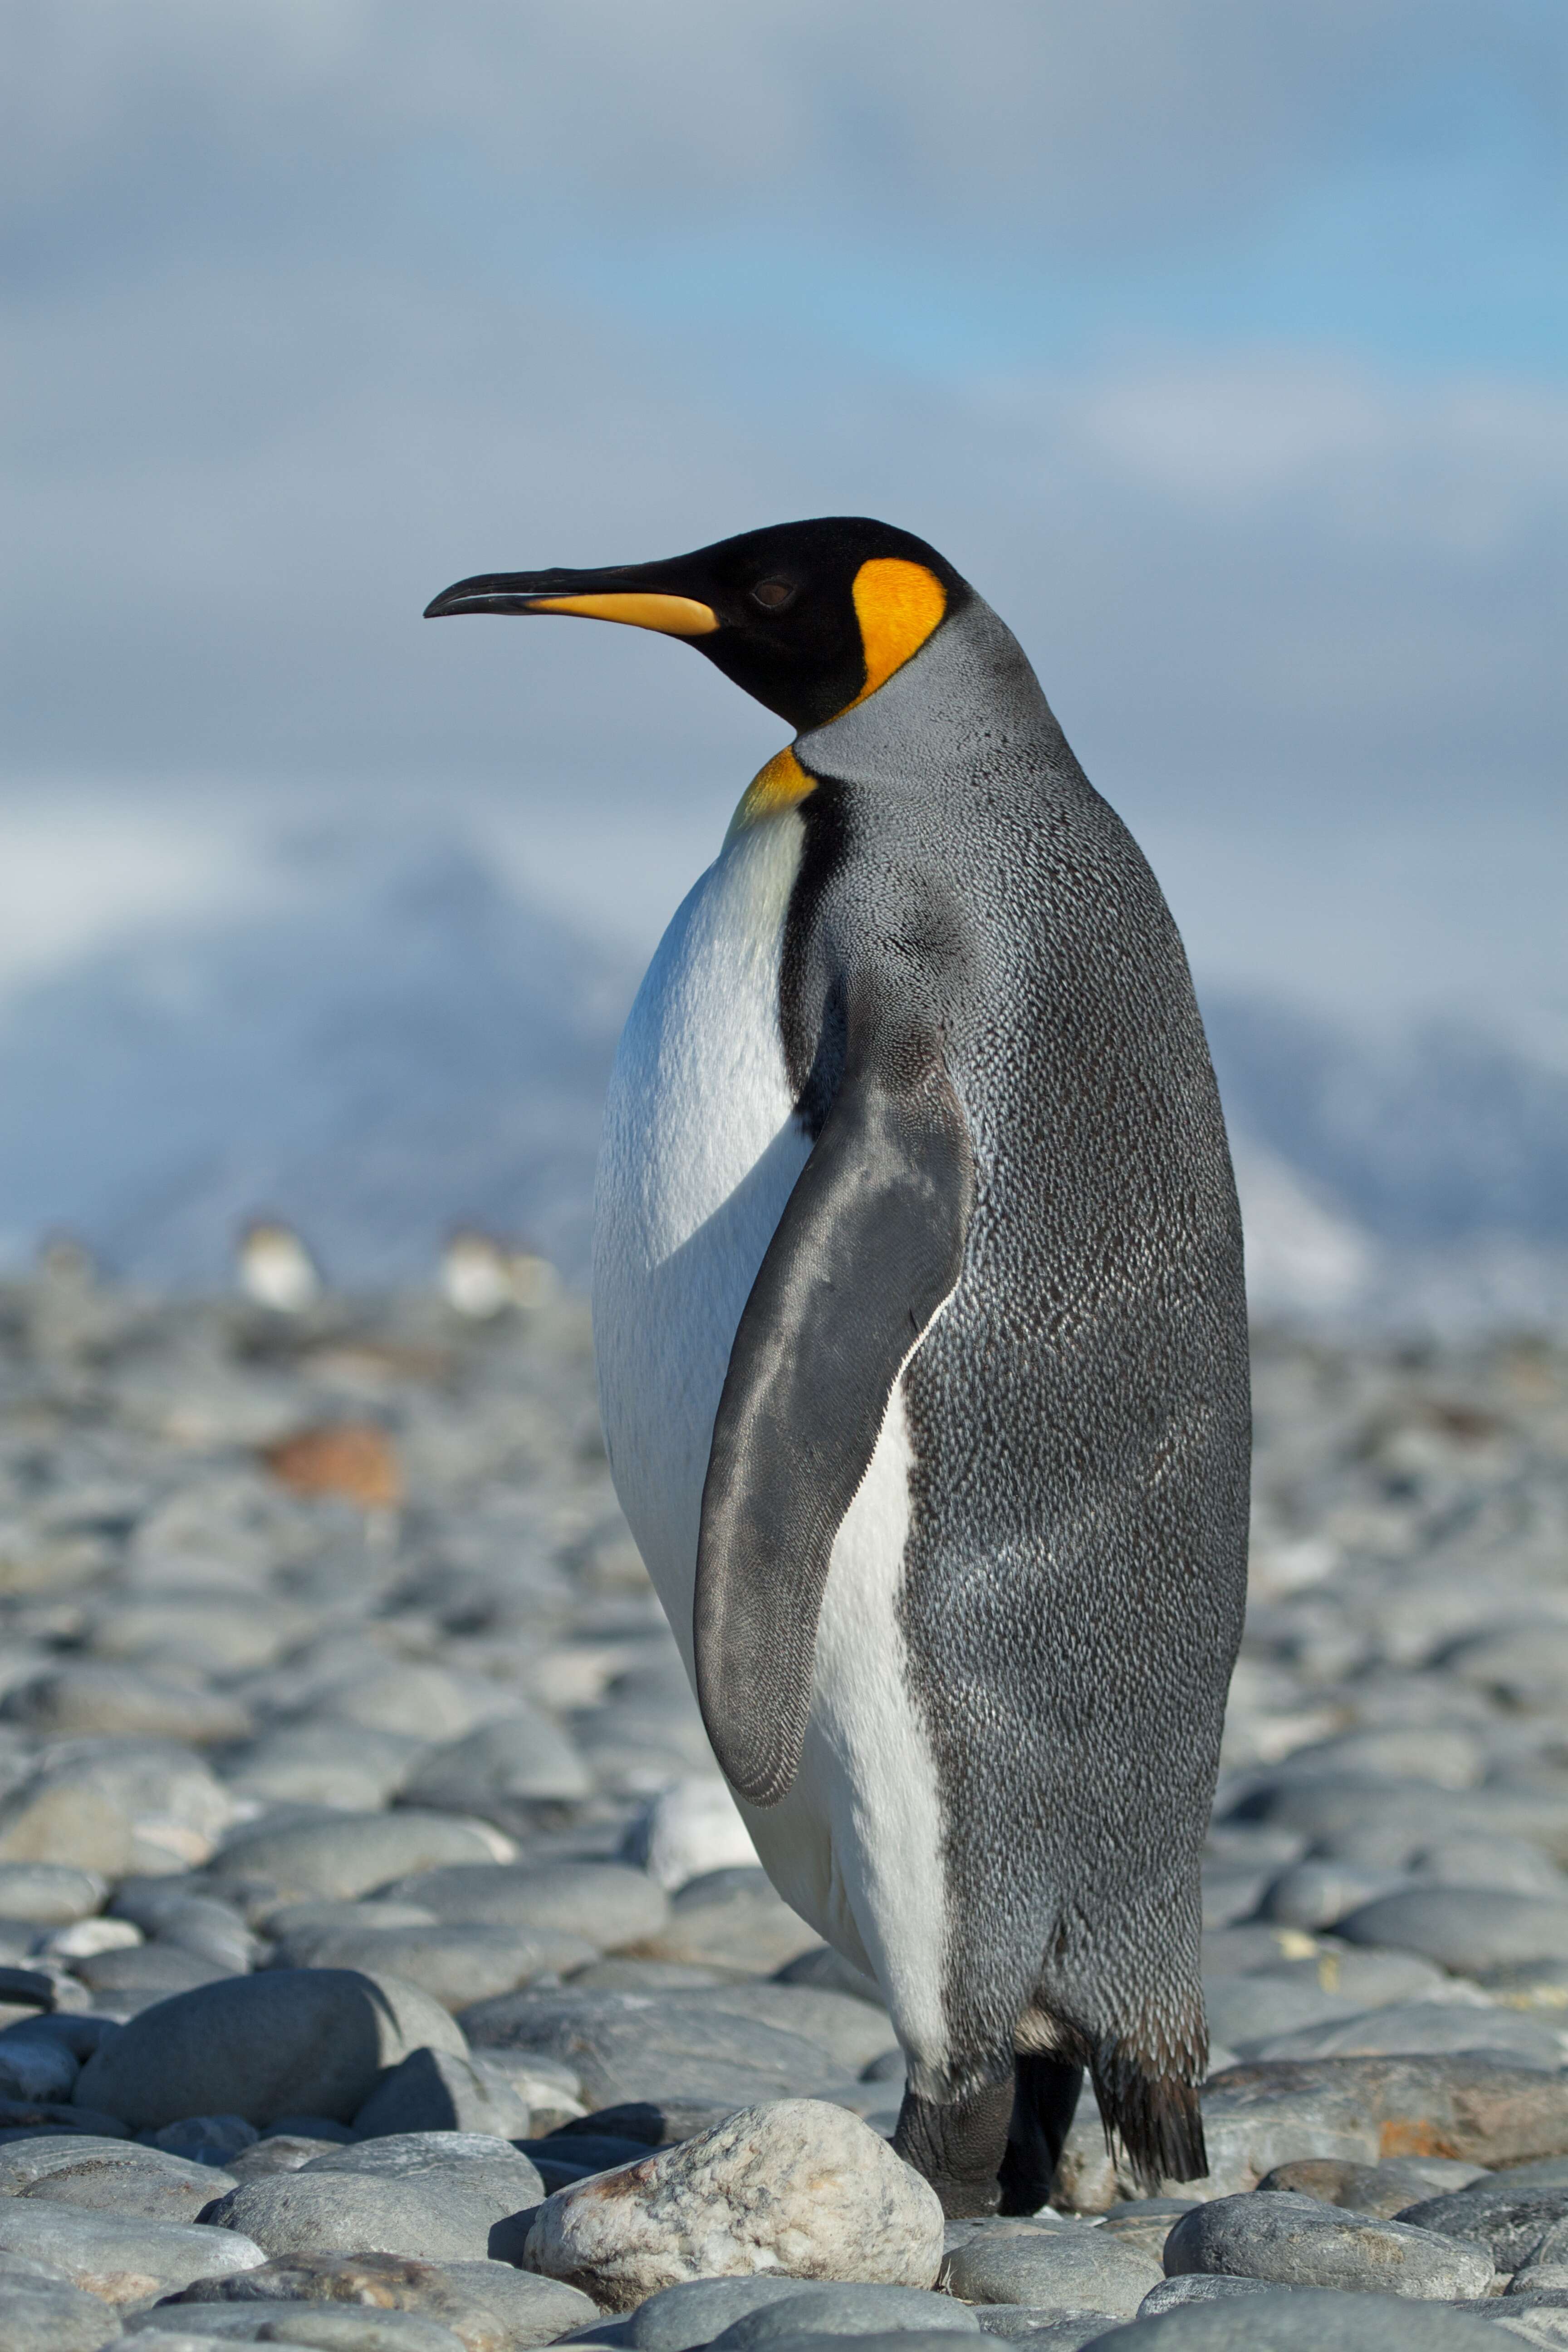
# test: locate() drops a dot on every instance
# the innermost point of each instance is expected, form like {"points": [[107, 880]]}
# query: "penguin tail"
{"points": [[1156, 2116]]}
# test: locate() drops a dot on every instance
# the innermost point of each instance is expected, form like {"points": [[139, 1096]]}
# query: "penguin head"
{"points": [[809, 617]]}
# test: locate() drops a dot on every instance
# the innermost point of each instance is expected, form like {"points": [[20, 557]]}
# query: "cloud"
{"points": [[314, 307]]}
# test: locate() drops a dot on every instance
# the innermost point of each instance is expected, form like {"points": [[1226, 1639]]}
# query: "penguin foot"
{"points": [[958, 2145]]}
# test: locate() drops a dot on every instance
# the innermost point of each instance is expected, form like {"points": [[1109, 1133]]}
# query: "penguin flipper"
{"points": [[867, 1250]]}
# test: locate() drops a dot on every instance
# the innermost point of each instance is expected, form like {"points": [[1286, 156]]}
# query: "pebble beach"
{"points": [[383, 1966]]}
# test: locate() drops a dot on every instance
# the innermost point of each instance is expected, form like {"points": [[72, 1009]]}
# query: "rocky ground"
{"points": [[382, 1965]]}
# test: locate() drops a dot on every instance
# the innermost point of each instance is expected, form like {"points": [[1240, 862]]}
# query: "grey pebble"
{"points": [[1043, 2325], [278, 2152], [122, 1702], [39, 2316], [1074, 2269], [733, 1918], [264, 2046], [1463, 1928], [124, 2258], [1309, 2320], [1507, 2214], [1202, 2286], [823, 2308], [604, 1904], [314, 2324], [35, 2066], [491, 2306], [678, 2318], [457, 1963], [344, 1854], [109, 2175], [1296, 2242], [523, 1759], [429, 2196], [627, 2051]]}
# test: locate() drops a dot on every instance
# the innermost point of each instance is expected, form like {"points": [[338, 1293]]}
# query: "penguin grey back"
{"points": [[1075, 1576]]}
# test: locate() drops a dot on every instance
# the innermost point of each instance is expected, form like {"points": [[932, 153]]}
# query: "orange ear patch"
{"points": [[784, 784], [898, 604]]}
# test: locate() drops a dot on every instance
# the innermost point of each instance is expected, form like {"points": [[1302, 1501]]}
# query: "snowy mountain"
{"points": [[383, 1044], [383, 1041]]}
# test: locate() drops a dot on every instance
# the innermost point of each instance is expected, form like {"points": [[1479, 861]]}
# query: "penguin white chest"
{"points": [[701, 1151]]}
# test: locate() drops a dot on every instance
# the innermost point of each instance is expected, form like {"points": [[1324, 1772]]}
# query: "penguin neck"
{"points": [[967, 694]]}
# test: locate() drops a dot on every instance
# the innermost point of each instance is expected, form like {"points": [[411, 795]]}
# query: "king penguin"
{"points": [[918, 1313]]}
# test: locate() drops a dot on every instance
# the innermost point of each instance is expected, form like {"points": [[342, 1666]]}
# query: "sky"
{"points": [[1223, 344]]}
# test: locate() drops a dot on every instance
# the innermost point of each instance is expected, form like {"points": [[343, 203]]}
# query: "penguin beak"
{"points": [[591, 595]]}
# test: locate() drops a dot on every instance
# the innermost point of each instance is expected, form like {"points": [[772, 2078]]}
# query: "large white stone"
{"points": [[794, 2185]]}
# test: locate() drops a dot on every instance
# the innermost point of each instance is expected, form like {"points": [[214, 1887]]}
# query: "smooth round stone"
{"points": [[1463, 1928], [1424, 2027], [288, 2041], [436, 2216], [851, 2032], [489, 2303], [1042, 2326], [426, 2196], [36, 2316], [679, 2318], [219, 1633], [290, 1922], [455, 1964], [831, 2309], [629, 2052], [279, 2152], [116, 1806], [733, 1918], [1448, 1756], [1295, 2242], [121, 1701], [33, 2068], [524, 1758], [157, 1969], [344, 1854], [1278, 2319], [315, 2325], [1383, 2190], [602, 1902], [404, 1693], [49, 1894], [323, 1764], [689, 1829], [109, 2176], [1317, 1894], [1193, 2286], [1245, 2010], [884, 2338], [1074, 2269], [406, 2153], [622, 1975], [123, 2258], [1516, 1865], [1505, 2213]]}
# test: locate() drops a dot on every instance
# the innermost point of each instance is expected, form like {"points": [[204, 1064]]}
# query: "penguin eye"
{"points": [[773, 595]]}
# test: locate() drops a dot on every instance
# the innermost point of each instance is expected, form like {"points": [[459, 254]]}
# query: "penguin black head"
{"points": [[809, 617]]}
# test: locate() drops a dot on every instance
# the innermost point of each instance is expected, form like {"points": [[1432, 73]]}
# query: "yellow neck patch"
{"points": [[783, 784], [898, 604]]}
